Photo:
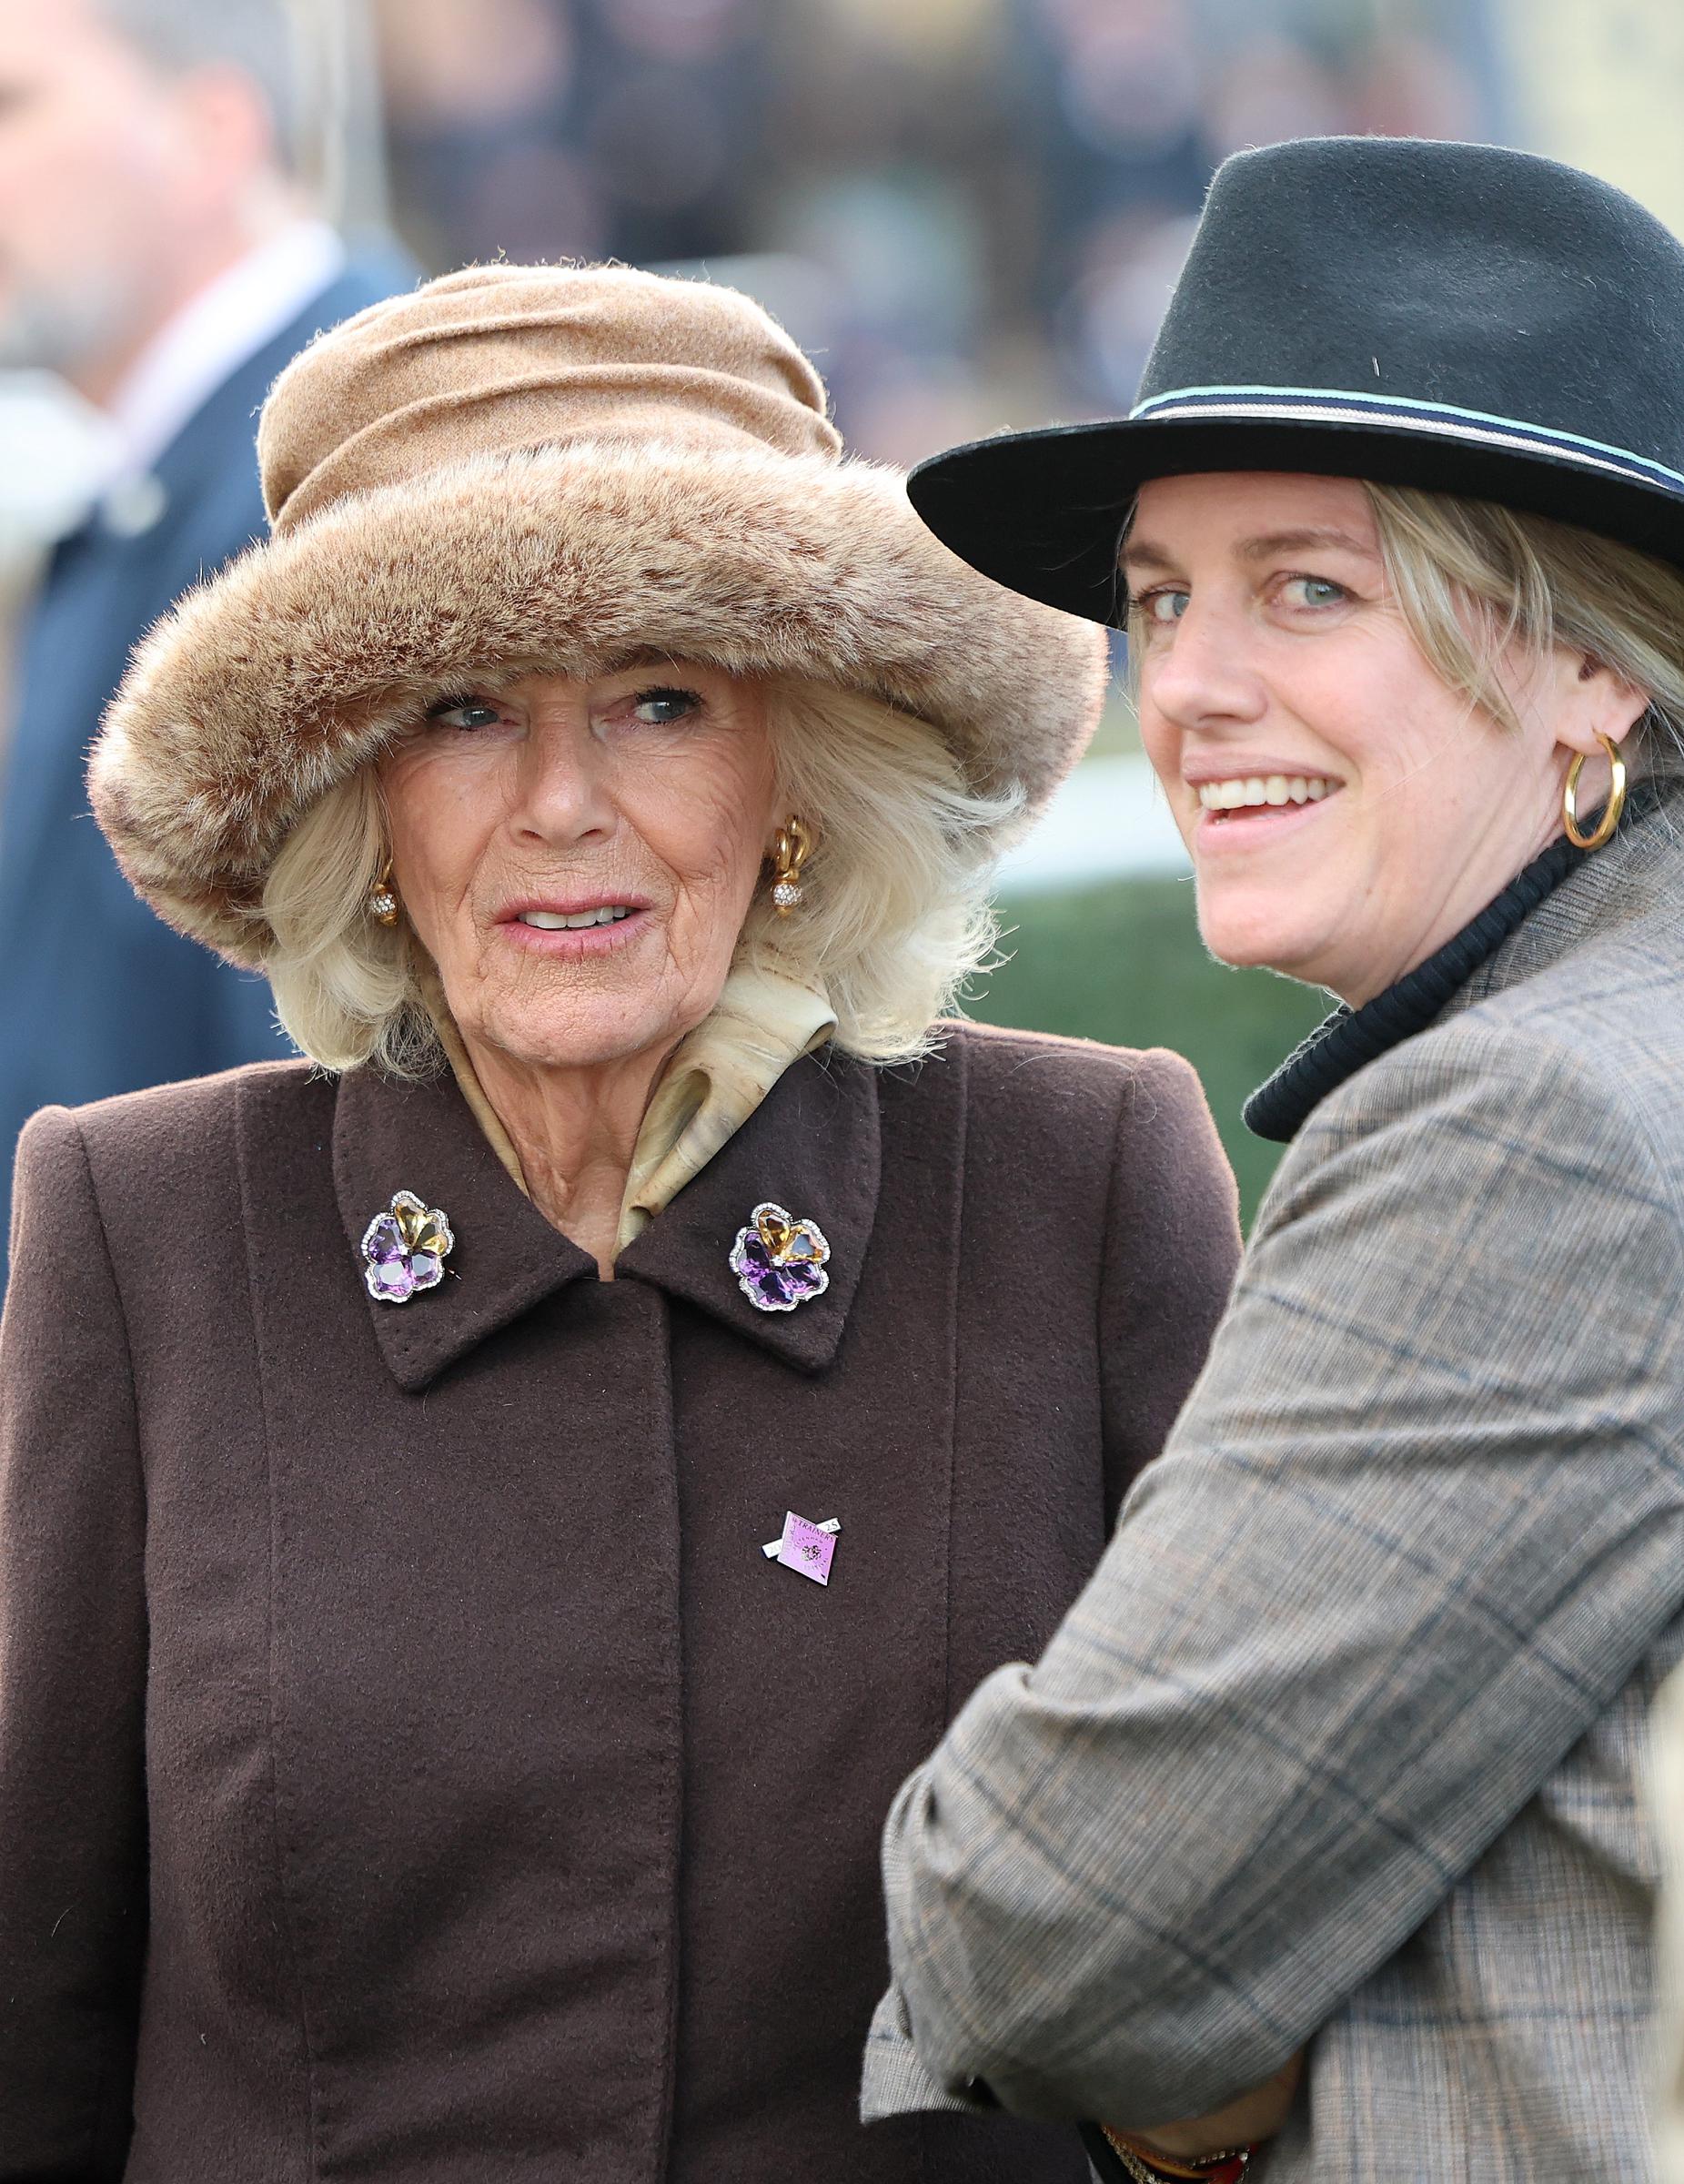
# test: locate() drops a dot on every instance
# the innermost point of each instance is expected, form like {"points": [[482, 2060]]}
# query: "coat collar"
{"points": [[813, 1146], [1638, 876], [389, 1137]]}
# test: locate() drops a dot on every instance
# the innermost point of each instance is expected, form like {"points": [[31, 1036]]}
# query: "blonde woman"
{"points": [[1342, 1748], [489, 1512]]}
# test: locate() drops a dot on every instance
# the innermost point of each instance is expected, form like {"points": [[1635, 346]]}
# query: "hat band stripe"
{"points": [[1316, 405]]}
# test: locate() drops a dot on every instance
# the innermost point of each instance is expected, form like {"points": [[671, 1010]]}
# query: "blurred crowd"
{"points": [[973, 208]]}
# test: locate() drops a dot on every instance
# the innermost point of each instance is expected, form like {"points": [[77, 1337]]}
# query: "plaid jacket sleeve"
{"points": [[1417, 1524]]}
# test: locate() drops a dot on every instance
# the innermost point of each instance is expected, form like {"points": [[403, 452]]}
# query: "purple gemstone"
{"points": [[385, 1240], [406, 1250], [773, 1284]]}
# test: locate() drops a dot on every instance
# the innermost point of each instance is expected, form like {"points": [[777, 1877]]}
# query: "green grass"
{"points": [[1124, 963]]}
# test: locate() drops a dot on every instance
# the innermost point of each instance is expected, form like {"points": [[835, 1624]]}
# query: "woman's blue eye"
{"points": [[464, 713], [1317, 590], [660, 708], [1166, 606]]}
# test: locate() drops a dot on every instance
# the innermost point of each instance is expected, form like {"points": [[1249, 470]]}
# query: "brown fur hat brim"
{"points": [[295, 666]]}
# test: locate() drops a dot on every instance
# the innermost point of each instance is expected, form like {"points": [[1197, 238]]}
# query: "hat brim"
{"points": [[305, 657], [1043, 512]]}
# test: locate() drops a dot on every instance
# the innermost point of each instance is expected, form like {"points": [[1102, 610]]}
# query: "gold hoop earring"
{"points": [[383, 897], [794, 847], [1615, 806]]}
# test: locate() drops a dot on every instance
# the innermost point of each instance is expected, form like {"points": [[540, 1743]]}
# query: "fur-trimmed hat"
{"points": [[531, 470]]}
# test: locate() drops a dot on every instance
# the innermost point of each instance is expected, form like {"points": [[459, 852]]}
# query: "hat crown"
{"points": [[495, 359], [1453, 318], [1488, 281]]}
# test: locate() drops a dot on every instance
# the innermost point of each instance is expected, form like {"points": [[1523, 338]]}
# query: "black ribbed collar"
{"points": [[1350, 1038]]}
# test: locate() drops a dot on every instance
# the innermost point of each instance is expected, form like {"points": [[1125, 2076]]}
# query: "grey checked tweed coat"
{"points": [[1343, 1743]]}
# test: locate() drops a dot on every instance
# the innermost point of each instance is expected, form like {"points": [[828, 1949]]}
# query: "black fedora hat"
{"points": [[1455, 317]]}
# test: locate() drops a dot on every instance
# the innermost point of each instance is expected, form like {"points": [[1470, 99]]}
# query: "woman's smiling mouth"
{"points": [[1243, 811], [559, 921], [1251, 791], [568, 931]]}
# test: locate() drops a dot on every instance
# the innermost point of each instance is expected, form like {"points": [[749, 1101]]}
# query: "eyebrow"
{"points": [[1141, 553]]}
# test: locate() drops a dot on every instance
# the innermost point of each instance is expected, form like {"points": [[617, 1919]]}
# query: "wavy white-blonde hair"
{"points": [[896, 912]]}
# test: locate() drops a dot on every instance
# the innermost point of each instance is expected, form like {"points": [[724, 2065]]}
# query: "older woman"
{"points": [[1342, 1745], [489, 1513]]}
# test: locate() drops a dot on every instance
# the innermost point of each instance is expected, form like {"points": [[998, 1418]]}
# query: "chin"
{"points": [[1250, 942], [580, 1038], [578, 1046]]}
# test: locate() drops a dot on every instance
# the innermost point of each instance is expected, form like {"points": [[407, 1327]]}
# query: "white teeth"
{"points": [[1255, 790], [549, 921]]}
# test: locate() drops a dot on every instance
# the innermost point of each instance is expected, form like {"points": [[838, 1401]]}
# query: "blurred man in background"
{"points": [[159, 252]]}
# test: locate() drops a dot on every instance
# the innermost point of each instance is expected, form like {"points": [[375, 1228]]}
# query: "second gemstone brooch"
{"points": [[777, 1261]]}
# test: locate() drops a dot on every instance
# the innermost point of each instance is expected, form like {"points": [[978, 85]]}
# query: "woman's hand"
{"points": [[1258, 2114]]}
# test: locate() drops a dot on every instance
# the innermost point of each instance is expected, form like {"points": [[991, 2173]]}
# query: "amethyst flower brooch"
{"points": [[777, 1261], [406, 1248]]}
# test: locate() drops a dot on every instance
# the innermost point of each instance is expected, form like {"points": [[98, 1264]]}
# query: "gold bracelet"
{"points": [[1137, 2169], [1147, 2166]]}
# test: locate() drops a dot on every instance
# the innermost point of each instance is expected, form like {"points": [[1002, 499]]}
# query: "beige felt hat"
{"points": [[528, 468]]}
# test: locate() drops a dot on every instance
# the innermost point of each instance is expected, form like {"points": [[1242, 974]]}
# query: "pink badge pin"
{"points": [[805, 1546]]}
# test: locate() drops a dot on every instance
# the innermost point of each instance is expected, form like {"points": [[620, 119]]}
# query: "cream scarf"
{"points": [[717, 1075]]}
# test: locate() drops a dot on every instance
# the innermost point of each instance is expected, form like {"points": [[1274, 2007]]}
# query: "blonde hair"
{"points": [[896, 914], [1476, 582]]}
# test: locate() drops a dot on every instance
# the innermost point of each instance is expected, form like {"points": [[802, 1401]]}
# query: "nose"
{"points": [[561, 793], [1205, 676]]}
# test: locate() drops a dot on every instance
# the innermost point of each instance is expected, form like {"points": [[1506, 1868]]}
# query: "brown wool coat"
{"points": [[410, 1769]]}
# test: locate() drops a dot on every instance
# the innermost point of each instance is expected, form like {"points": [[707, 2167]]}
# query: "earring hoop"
{"points": [[794, 847], [383, 897], [1611, 811]]}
